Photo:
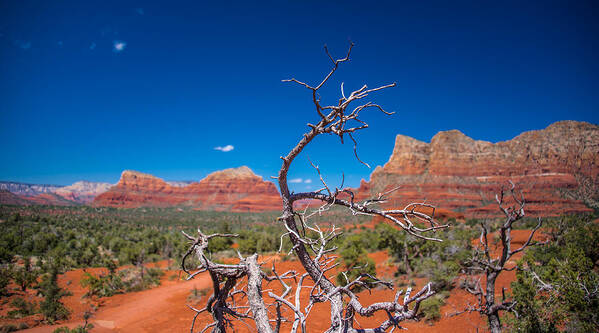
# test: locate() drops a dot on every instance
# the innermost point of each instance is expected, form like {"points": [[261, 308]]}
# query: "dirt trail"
{"points": [[154, 310]]}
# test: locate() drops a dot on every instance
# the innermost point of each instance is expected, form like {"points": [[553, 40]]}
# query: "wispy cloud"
{"points": [[92, 46], [59, 43], [24, 44], [139, 11], [300, 180], [225, 149], [118, 46]]}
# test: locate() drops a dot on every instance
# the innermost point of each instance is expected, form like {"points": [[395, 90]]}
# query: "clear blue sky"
{"points": [[90, 88]]}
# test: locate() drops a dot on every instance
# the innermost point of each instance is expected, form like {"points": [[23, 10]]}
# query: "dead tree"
{"points": [[314, 252], [491, 266]]}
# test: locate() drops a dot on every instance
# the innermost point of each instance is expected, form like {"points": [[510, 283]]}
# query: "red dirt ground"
{"points": [[163, 309]]}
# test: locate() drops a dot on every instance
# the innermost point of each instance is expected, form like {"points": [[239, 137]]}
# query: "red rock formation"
{"points": [[557, 170], [238, 190]]}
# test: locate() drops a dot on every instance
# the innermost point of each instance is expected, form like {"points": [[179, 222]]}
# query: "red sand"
{"points": [[163, 309]]}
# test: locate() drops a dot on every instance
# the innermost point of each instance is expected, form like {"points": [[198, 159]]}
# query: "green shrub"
{"points": [[440, 274], [568, 263], [138, 279], [51, 307], [430, 309], [103, 285], [355, 261], [25, 276], [78, 329], [4, 281], [23, 308]]}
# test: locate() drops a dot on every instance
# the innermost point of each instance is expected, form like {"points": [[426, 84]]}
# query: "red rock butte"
{"points": [[236, 190], [556, 169]]}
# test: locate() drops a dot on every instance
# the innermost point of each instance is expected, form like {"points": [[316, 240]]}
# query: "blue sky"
{"points": [[88, 89]]}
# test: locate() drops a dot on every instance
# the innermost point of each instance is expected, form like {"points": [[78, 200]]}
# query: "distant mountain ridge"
{"points": [[28, 189], [556, 168], [235, 189], [81, 192]]}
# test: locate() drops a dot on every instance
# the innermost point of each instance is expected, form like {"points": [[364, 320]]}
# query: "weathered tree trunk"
{"points": [[492, 315], [406, 258], [255, 296], [317, 275], [494, 322]]}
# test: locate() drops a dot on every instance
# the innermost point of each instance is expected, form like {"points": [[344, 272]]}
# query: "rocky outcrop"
{"points": [[83, 191], [237, 189], [557, 170]]}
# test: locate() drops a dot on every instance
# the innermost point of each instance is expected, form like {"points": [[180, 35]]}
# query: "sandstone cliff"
{"points": [[237, 189], [557, 170]]}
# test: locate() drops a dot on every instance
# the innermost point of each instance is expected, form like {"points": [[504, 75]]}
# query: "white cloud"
{"points": [[118, 46], [224, 148], [92, 46], [300, 180]]}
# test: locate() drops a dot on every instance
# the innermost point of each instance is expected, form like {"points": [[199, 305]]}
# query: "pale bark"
{"points": [[492, 267], [338, 120]]}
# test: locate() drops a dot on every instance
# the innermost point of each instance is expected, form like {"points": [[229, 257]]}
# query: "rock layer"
{"points": [[557, 169], [238, 190]]}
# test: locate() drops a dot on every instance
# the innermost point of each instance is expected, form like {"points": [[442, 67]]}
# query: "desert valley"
{"points": [[299, 166], [557, 169], [457, 175]]}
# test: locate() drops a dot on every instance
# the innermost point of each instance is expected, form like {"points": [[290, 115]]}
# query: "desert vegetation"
{"points": [[330, 236], [547, 286]]}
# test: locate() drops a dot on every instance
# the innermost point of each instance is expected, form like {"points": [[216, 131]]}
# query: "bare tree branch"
{"points": [[313, 245], [492, 266]]}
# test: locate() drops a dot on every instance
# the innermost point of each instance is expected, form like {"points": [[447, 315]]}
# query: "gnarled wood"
{"points": [[340, 119]]}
